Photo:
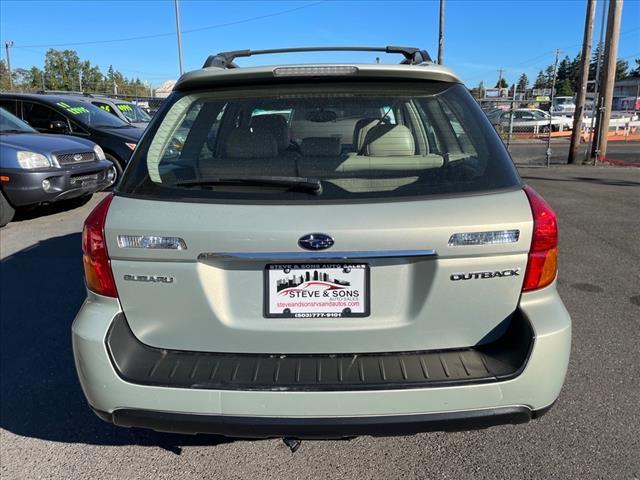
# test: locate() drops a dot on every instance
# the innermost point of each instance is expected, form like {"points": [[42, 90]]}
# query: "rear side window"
{"points": [[353, 141]]}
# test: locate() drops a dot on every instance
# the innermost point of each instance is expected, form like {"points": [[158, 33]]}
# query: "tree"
{"points": [[563, 88], [636, 72], [622, 69], [62, 69], [523, 83], [541, 80], [4, 76], [502, 83]]}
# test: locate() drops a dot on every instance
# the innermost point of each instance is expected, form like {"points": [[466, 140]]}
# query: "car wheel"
{"points": [[6, 211], [117, 165], [544, 129]]}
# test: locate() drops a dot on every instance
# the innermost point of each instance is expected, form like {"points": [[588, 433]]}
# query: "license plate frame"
{"points": [[361, 285]]}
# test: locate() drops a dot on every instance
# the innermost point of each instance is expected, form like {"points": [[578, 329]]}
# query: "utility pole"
{"points": [[43, 87], [513, 107], [7, 45], [596, 108], [553, 93], [80, 80], [441, 34], [584, 78], [179, 36], [608, 75]]}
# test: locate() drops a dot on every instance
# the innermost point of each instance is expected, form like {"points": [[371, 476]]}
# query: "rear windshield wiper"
{"points": [[303, 184]]}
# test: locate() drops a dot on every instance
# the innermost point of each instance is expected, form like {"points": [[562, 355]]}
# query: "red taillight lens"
{"points": [[542, 265], [97, 267]]}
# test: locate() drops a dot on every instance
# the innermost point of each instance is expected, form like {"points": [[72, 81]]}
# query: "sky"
{"points": [[480, 36]]}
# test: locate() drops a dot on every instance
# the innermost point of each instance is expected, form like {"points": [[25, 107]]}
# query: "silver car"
{"points": [[334, 250]]}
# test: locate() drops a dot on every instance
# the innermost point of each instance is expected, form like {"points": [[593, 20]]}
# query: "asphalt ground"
{"points": [[534, 152], [593, 432]]}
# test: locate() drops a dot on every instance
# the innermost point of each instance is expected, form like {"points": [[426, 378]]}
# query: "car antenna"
{"points": [[292, 443]]}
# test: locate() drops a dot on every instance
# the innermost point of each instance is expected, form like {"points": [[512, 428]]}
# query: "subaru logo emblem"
{"points": [[315, 241], [77, 157]]}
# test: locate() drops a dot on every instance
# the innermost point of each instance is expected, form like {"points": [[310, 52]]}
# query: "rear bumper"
{"points": [[25, 187], [325, 414], [318, 427]]}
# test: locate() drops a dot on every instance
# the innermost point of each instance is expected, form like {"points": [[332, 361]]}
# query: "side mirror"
{"points": [[59, 126]]}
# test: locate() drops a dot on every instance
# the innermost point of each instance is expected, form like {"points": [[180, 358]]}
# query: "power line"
{"points": [[159, 35]]}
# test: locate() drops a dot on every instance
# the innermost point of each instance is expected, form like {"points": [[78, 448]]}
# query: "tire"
{"points": [[119, 169], [6, 211], [544, 129]]}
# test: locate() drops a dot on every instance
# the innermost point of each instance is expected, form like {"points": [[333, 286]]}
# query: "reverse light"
{"points": [[542, 265], [97, 267], [484, 238], [132, 146], [320, 71], [32, 160], [99, 152], [151, 242]]}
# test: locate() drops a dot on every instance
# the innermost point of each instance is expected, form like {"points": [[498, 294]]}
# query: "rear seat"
{"points": [[388, 148], [320, 156], [250, 151]]}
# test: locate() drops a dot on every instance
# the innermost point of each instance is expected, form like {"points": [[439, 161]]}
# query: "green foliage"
{"points": [[4, 76], [564, 88], [523, 83], [541, 81], [64, 70], [502, 83]]}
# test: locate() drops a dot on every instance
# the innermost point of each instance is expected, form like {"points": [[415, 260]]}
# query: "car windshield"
{"points": [[331, 142], [89, 114], [133, 113], [9, 123], [538, 114]]}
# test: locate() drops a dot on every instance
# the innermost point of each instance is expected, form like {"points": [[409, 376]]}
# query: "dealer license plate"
{"points": [[323, 290]]}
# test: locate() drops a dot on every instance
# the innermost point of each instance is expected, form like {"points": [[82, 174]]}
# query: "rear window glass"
{"points": [[331, 142]]}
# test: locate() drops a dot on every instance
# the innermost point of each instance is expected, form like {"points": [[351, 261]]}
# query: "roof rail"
{"points": [[412, 55], [59, 92]]}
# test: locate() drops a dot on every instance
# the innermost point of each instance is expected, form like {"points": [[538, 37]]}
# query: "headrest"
{"points": [[320, 147], [249, 143], [321, 116], [361, 129], [274, 124], [390, 141]]}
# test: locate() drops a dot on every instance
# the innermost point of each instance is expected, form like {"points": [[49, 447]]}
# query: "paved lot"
{"points": [[48, 432], [527, 152]]}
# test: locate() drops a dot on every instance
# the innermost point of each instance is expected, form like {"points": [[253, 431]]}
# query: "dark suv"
{"points": [[76, 115]]}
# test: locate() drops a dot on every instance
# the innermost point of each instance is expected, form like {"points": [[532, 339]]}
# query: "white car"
{"points": [[563, 106], [531, 120]]}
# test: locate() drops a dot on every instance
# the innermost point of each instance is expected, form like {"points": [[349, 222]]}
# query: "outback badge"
{"points": [[509, 272]]}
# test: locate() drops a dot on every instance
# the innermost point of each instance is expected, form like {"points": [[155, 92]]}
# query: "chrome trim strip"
{"points": [[306, 256]]}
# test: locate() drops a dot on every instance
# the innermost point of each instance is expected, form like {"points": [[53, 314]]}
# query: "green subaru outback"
{"points": [[321, 251]]}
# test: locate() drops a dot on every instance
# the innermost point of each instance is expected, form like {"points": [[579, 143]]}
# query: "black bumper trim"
{"points": [[500, 360], [319, 427], [25, 187]]}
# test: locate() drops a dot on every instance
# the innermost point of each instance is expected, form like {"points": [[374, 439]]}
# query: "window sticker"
{"points": [[74, 110], [123, 107]]}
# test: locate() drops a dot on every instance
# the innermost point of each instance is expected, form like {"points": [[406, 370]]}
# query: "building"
{"points": [[626, 93], [165, 89]]}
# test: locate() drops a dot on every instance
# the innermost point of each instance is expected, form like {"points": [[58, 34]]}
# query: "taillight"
{"points": [[97, 267], [542, 265]]}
